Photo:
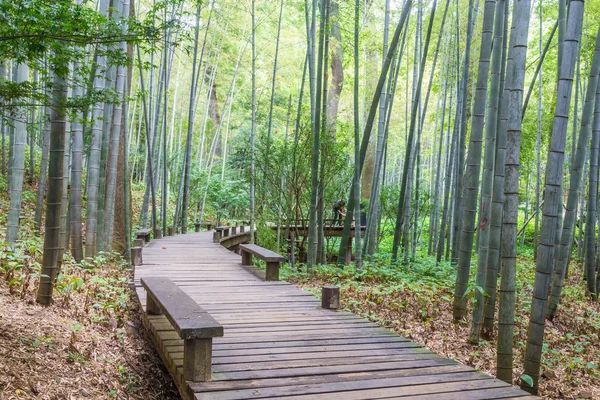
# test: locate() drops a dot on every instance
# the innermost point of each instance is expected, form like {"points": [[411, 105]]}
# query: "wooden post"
{"points": [[197, 359], [197, 226], [184, 229], [151, 307], [171, 231], [138, 242], [136, 256], [226, 232], [242, 229], [246, 258], [330, 297], [216, 237], [272, 273], [157, 233], [234, 230]]}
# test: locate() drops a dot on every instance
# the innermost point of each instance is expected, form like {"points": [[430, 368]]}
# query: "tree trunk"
{"points": [[561, 256], [511, 127], [17, 167], [52, 245], [487, 181], [552, 200]]}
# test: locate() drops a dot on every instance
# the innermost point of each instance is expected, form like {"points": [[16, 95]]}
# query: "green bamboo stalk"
{"points": [[561, 255], [592, 205], [515, 81], [17, 167], [369, 123], [52, 245], [552, 200], [488, 172], [474, 165]]}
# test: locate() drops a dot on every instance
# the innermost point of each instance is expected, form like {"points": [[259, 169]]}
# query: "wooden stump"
{"points": [[171, 230], [157, 233], [330, 298], [136, 256]]}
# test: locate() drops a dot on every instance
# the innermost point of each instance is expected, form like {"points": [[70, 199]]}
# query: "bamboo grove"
{"points": [[456, 130]]}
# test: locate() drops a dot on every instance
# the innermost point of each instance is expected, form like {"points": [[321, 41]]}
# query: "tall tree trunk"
{"points": [[52, 245], [337, 68], [253, 128], [356, 179], [511, 127], [473, 165], [187, 160], [552, 200], [17, 167], [316, 136], [368, 126], [590, 222], [41, 191], [93, 174], [487, 181], [117, 129], [413, 123], [561, 256], [493, 261]]}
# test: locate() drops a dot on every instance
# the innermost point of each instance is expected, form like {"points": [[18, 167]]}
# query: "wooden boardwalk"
{"points": [[279, 342]]}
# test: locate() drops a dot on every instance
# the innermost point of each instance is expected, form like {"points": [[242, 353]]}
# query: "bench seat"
{"points": [[272, 259], [144, 234], [191, 322]]}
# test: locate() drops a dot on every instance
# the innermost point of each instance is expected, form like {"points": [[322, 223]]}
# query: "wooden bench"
{"points": [[144, 234], [207, 225], [220, 232], [272, 259], [192, 323]]}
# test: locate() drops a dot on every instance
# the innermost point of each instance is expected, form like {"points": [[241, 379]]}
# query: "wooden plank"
{"points": [[427, 367], [468, 391], [397, 384]]}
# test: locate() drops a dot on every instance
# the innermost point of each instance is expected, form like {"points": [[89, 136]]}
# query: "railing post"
{"points": [[157, 233], [330, 297], [136, 256]]}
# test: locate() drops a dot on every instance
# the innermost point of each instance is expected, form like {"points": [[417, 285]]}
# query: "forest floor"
{"points": [[415, 301], [90, 343]]}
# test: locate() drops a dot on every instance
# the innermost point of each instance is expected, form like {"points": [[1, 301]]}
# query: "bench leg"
{"points": [[151, 307], [246, 258], [197, 359], [272, 271]]}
